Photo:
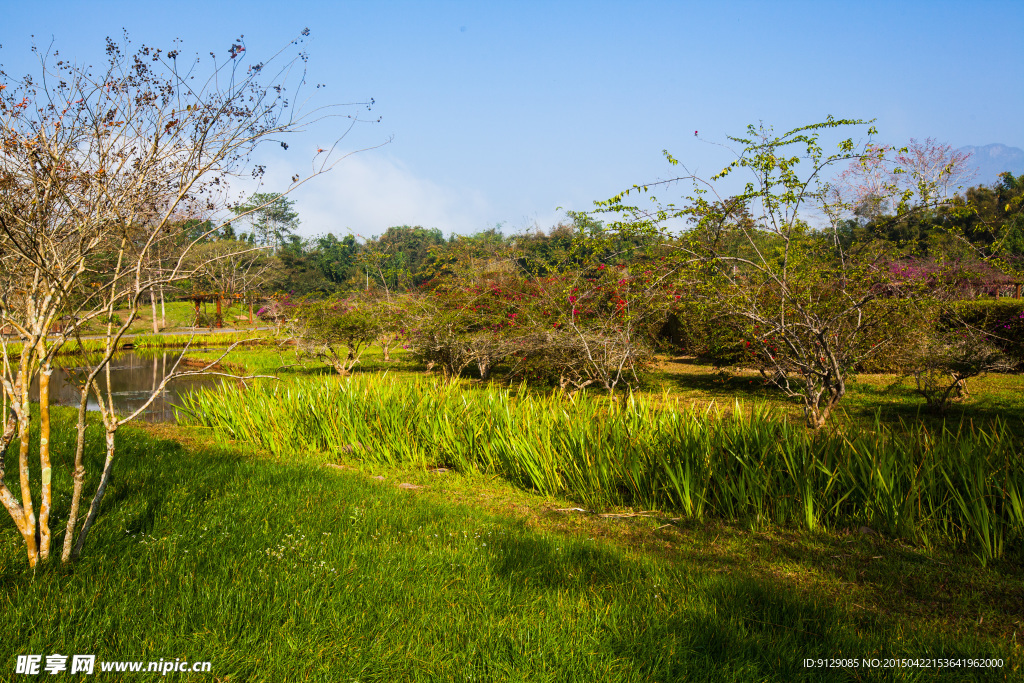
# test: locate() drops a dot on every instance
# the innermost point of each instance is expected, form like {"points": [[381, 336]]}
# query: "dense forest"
{"points": [[982, 230]]}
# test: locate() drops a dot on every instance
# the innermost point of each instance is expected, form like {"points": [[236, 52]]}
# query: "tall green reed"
{"points": [[750, 466]]}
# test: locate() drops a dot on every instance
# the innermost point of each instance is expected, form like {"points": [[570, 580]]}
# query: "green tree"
{"points": [[336, 331], [271, 217], [334, 258], [296, 267], [994, 223], [398, 258]]}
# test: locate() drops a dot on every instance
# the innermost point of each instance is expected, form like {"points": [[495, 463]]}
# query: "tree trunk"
{"points": [[163, 309], [152, 305], [12, 426], [45, 491], [28, 525], [94, 507], [79, 480], [484, 366]]}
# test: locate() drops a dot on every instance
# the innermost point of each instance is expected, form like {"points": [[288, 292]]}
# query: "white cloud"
{"points": [[368, 192]]}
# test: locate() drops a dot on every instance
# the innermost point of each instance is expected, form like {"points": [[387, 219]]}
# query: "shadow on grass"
{"points": [[724, 386], [957, 417], [708, 624]]}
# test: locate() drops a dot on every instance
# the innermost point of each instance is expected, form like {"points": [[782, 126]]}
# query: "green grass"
{"points": [[686, 382], [181, 314], [158, 341], [279, 570], [869, 396], [292, 567]]}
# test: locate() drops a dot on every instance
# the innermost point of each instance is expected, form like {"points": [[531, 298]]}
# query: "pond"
{"points": [[134, 376]]}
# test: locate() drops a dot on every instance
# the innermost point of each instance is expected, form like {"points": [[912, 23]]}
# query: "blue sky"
{"points": [[501, 112]]}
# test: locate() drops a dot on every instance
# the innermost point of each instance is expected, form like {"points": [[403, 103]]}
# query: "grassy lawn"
{"points": [[300, 568], [181, 316], [280, 571]]}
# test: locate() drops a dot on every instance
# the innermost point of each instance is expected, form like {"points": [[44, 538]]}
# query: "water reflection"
{"points": [[133, 377]]}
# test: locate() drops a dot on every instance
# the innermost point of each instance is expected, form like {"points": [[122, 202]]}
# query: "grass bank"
{"points": [[156, 341], [287, 570]]}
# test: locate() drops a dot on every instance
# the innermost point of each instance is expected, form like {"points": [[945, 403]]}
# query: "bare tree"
{"points": [[771, 259], [886, 180], [95, 167], [228, 269]]}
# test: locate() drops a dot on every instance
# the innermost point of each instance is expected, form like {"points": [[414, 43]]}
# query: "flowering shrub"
{"points": [[336, 331], [277, 311], [471, 320], [947, 354], [578, 327]]}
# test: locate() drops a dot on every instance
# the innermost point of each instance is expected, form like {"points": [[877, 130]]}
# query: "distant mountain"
{"points": [[992, 160]]}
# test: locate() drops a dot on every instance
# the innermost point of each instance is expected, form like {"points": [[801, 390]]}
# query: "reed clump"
{"points": [[962, 485], [159, 341]]}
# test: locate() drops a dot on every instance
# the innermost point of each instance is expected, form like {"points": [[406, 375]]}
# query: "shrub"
{"points": [[336, 331], [1002, 320]]}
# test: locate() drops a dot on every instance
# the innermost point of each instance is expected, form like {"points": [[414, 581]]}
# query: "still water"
{"points": [[133, 377]]}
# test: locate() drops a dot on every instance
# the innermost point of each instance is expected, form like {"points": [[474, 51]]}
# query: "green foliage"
{"points": [[1001, 320], [297, 268], [335, 259], [472, 319], [809, 306], [542, 254], [707, 335], [995, 221], [160, 341], [578, 322], [405, 251]]}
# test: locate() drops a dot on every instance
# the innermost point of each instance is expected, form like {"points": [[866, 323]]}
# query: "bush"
{"points": [[1001, 319], [336, 331]]}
